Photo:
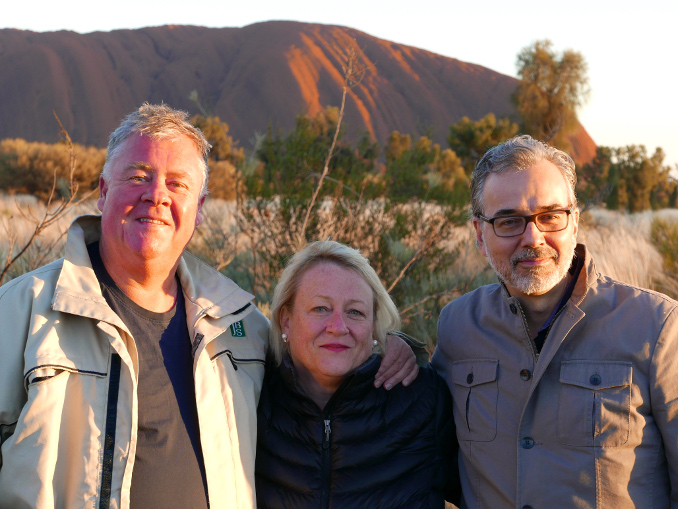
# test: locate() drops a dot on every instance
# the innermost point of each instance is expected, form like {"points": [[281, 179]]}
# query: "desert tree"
{"points": [[470, 140], [353, 71], [552, 87], [627, 178]]}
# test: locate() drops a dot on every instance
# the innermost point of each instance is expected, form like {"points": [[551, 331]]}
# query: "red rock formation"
{"points": [[252, 77]]}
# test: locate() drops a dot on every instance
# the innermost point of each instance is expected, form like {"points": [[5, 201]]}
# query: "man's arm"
{"points": [[664, 396], [12, 392], [400, 360], [448, 446]]}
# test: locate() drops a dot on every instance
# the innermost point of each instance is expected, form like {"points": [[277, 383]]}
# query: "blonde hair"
{"points": [[386, 316]]}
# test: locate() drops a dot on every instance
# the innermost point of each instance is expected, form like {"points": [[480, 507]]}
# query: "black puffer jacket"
{"points": [[368, 448]]}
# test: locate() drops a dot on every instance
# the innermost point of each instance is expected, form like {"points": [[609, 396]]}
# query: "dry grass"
{"points": [[620, 243], [19, 212], [621, 247], [18, 218]]}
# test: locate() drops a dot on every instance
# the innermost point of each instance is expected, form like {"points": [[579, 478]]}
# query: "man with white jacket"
{"points": [[130, 371]]}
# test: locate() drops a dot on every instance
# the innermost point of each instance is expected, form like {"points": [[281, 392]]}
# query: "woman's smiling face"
{"points": [[330, 324]]}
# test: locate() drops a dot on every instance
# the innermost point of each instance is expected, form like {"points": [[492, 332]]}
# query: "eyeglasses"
{"points": [[512, 226]]}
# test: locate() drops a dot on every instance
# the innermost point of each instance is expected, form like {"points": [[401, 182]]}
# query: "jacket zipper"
{"points": [[328, 430], [109, 437], [530, 339], [326, 461], [326, 465], [236, 360]]}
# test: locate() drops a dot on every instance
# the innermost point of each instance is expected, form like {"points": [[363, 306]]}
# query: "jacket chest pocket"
{"points": [[594, 405], [246, 365], [475, 395], [65, 393]]}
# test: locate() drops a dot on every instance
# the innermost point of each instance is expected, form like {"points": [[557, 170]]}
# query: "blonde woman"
{"points": [[326, 436]]}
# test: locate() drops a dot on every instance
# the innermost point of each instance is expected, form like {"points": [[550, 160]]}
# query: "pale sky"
{"points": [[630, 47]]}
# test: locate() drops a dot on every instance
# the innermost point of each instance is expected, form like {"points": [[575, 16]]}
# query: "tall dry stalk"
{"points": [[53, 212], [353, 75]]}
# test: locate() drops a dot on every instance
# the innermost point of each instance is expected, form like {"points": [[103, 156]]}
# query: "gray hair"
{"points": [[386, 317], [158, 121], [519, 153]]}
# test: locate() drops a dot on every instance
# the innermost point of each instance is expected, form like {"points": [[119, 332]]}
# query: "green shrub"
{"points": [[29, 167]]}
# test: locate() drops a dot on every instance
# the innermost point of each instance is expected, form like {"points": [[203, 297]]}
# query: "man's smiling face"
{"points": [[150, 201], [535, 262]]}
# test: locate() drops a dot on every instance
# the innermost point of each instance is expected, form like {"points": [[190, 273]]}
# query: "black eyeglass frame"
{"points": [[528, 219]]}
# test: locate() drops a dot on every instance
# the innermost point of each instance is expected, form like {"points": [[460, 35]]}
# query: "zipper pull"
{"points": [[229, 354], [196, 343], [327, 430]]}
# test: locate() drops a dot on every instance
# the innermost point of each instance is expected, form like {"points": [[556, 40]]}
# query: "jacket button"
{"points": [[527, 443], [513, 308], [469, 378], [525, 374], [595, 379], [527, 507]]}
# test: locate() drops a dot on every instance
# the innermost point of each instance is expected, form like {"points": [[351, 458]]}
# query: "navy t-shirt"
{"points": [[168, 467]]}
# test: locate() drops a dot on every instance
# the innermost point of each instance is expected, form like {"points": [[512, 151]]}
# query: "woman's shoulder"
{"points": [[427, 380], [428, 393], [428, 390]]}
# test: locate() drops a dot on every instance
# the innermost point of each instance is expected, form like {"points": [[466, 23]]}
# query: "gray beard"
{"points": [[539, 280]]}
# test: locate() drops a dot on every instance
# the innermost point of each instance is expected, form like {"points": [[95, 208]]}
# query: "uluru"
{"points": [[255, 77]]}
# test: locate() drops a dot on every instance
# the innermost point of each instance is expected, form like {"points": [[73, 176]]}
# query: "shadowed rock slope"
{"points": [[252, 77]]}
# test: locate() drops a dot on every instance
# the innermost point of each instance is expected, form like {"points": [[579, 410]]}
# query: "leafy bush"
{"points": [[403, 214], [29, 167]]}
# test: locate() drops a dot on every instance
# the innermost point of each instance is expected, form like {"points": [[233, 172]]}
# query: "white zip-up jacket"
{"points": [[68, 382]]}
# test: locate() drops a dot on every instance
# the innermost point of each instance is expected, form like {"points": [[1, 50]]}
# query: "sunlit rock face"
{"points": [[253, 77]]}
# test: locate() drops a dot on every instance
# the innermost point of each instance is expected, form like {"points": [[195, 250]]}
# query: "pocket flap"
{"points": [[472, 372], [596, 375]]}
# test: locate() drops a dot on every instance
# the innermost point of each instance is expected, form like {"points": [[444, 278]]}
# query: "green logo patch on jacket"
{"points": [[238, 330]]}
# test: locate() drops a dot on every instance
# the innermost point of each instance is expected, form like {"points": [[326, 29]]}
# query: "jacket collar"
{"points": [[207, 291], [77, 290], [353, 387], [210, 291], [587, 277]]}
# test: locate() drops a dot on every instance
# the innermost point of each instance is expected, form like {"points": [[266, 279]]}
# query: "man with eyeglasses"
{"points": [[565, 382]]}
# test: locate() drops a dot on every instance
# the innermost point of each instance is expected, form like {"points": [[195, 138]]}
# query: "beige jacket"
{"points": [[592, 421], [59, 344]]}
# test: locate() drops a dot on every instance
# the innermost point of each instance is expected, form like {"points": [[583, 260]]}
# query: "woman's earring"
{"points": [[375, 342], [284, 337]]}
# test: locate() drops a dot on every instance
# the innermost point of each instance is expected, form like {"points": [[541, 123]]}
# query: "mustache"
{"points": [[532, 253]]}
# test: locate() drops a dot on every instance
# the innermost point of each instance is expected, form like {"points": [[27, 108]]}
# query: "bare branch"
{"points": [[428, 241], [353, 73], [51, 214], [339, 182], [407, 266], [427, 298]]}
